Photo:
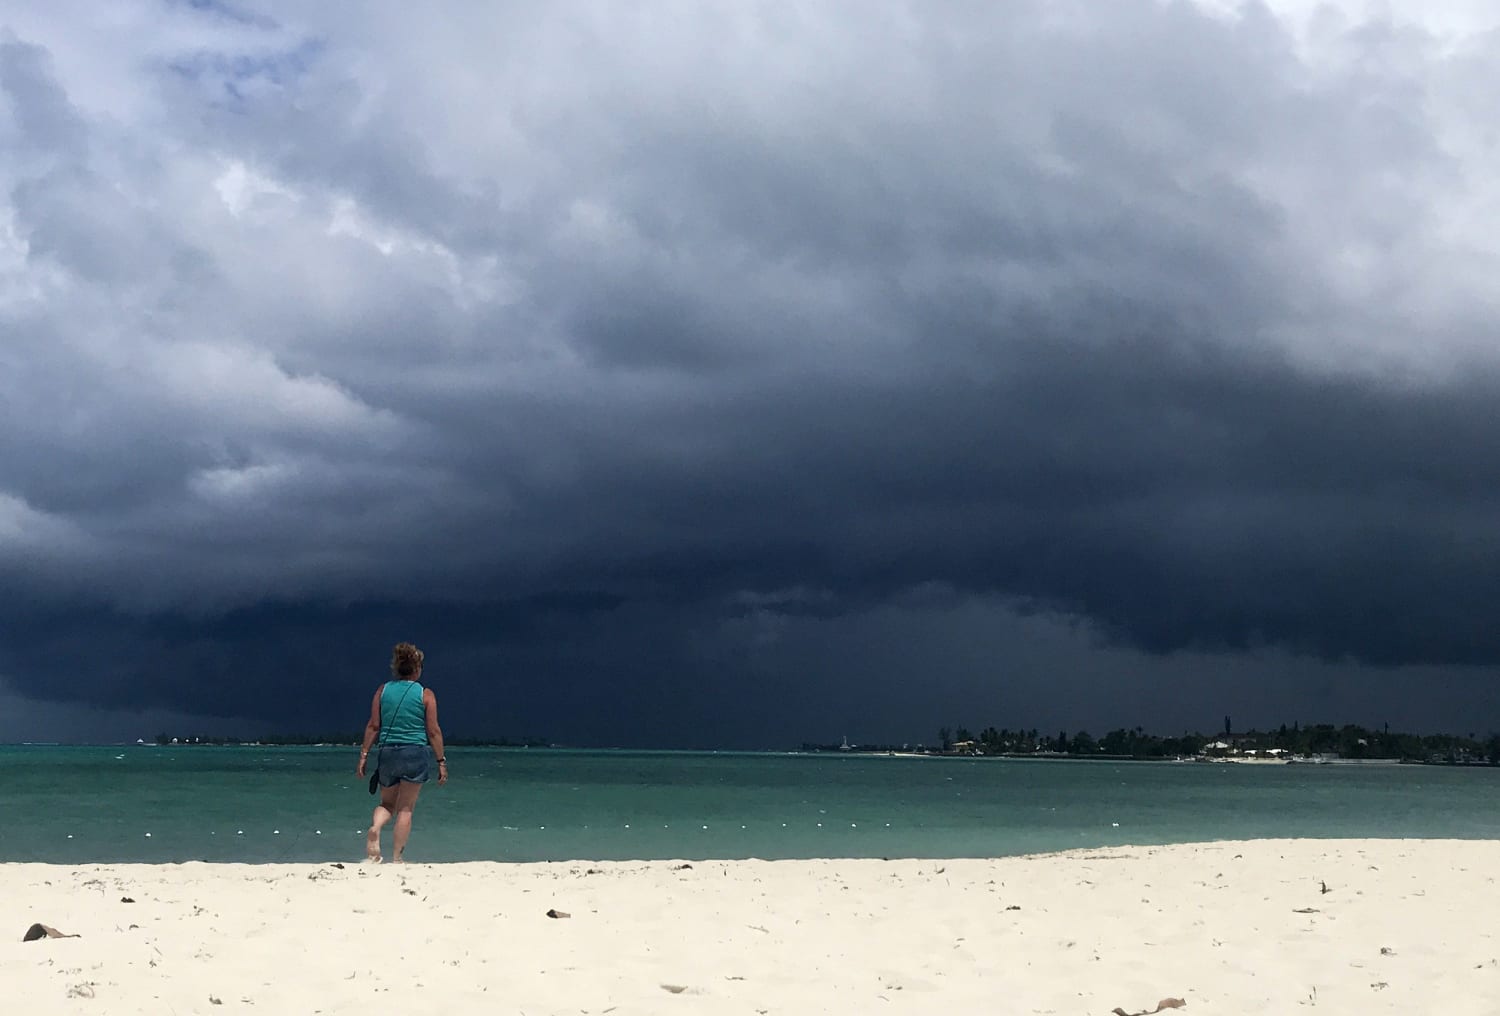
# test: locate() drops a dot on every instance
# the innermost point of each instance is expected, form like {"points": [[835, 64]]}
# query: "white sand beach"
{"points": [[1404, 926]]}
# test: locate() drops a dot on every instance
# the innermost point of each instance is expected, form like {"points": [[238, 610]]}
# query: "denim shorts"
{"points": [[404, 763]]}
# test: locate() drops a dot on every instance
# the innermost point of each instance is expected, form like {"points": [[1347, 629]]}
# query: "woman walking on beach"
{"points": [[404, 716]]}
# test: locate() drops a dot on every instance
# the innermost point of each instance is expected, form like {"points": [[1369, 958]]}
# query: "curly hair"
{"points": [[406, 660]]}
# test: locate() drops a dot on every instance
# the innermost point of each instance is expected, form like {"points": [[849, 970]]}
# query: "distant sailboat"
{"points": [[845, 746]]}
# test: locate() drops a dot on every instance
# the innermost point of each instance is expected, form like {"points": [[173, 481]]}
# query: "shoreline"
{"points": [[1249, 926]]}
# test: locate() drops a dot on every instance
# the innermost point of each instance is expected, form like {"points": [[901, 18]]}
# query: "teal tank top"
{"points": [[403, 717]]}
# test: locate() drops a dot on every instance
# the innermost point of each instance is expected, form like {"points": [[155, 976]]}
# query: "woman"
{"points": [[404, 716]]}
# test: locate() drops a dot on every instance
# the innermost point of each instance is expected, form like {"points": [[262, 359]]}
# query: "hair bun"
{"points": [[406, 659]]}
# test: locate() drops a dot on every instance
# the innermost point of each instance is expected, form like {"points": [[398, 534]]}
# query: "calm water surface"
{"points": [[77, 804]]}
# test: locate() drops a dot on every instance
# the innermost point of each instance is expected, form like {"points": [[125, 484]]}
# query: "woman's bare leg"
{"points": [[406, 800], [383, 812]]}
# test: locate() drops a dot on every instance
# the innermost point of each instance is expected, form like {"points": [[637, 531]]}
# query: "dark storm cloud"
{"points": [[605, 350]]}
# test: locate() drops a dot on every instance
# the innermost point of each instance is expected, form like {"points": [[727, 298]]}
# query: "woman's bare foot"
{"points": [[372, 847]]}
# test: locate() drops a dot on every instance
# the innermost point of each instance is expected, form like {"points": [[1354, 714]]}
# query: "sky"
{"points": [[745, 374]]}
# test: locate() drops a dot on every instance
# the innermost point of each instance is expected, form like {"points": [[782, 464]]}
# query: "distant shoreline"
{"points": [[1040, 756], [1159, 759]]}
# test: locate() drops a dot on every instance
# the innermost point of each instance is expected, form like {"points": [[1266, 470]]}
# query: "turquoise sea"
{"points": [[260, 804]]}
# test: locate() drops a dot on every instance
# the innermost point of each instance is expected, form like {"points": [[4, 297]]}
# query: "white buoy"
{"points": [[275, 832], [627, 825], [70, 836], [705, 827], [148, 834]]}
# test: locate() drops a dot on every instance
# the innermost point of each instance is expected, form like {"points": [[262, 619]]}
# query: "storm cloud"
{"points": [[649, 365]]}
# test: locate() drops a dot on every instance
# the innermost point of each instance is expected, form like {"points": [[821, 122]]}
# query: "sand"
{"points": [[1404, 926]]}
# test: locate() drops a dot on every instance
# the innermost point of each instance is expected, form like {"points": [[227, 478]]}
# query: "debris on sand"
{"points": [[1166, 1003]]}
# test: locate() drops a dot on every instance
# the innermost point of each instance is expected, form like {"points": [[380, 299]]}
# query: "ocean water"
{"points": [[262, 804]]}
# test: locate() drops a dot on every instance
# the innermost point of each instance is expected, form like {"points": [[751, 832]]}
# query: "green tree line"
{"points": [[1347, 741]]}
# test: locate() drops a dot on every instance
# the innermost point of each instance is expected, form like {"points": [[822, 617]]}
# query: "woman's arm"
{"points": [[372, 730], [435, 734]]}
